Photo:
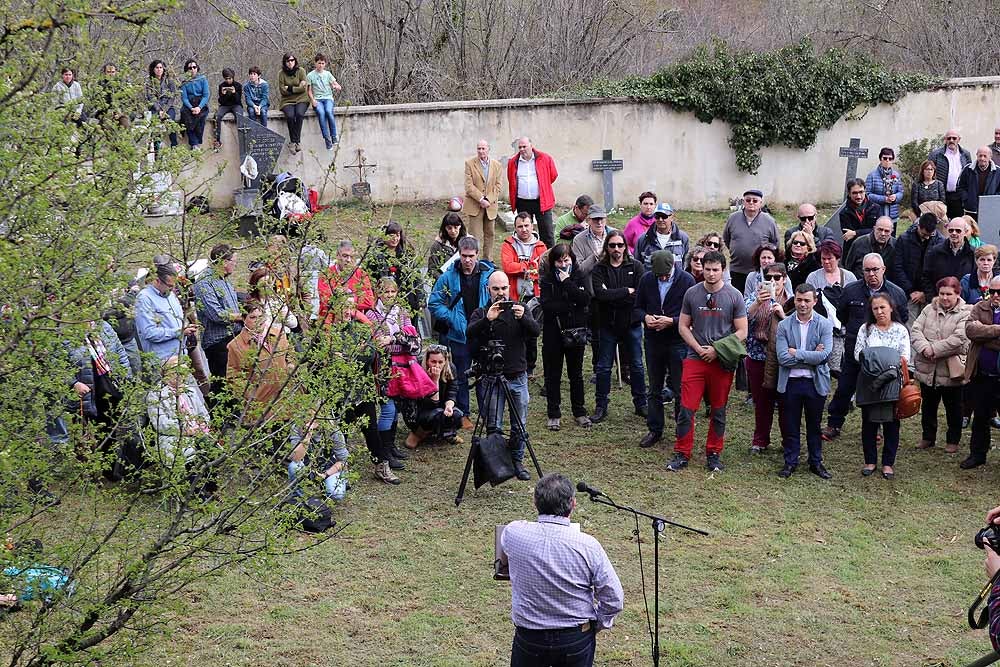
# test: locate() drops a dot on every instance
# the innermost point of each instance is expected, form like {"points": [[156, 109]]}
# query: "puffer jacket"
{"points": [[81, 359], [942, 331]]}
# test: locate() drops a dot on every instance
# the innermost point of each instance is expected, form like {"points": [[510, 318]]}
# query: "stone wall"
{"points": [[420, 148]]}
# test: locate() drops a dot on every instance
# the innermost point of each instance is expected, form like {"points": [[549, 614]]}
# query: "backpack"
{"points": [[312, 514]]}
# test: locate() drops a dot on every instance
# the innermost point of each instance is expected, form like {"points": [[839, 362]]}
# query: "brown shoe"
{"points": [[925, 444], [412, 440], [467, 424], [951, 448], [384, 473]]}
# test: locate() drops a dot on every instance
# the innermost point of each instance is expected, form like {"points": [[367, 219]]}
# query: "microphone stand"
{"points": [[657, 523]]}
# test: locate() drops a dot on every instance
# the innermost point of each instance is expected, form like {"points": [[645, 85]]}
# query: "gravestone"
{"points": [[263, 146], [607, 166], [989, 219], [361, 189]]}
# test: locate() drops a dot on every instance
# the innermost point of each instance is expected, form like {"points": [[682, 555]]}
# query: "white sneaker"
{"points": [[553, 423]]}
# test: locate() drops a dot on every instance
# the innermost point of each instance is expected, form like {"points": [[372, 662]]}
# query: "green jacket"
{"points": [[730, 350], [299, 87]]}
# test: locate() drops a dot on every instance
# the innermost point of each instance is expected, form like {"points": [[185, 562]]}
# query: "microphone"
{"points": [[583, 487]]}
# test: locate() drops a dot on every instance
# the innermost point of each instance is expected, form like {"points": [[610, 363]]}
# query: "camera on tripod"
{"points": [[490, 359]]}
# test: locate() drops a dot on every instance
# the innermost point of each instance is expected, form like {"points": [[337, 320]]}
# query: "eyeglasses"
{"points": [[956, 231], [994, 292], [886, 157], [616, 245], [951, 138], [713, 244], [872, 269], [807, 218], [799, 242]]}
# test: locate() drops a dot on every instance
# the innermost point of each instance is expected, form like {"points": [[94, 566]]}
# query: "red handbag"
{"points": [[408, 379]]}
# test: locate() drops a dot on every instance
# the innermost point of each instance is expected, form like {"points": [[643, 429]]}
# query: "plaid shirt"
{"points": [[560, 577]]}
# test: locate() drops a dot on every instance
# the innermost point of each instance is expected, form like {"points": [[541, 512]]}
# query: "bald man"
{"points": [[810, 224], [949, 160], [530, 175], [509, 323], [979, 179], [482, 193]]}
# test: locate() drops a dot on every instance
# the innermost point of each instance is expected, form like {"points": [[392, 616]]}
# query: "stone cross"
{"points": [[362, 188], [852, 153], [607, 166]]}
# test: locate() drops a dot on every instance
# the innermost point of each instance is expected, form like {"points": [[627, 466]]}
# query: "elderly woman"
{"points": [[883, 329], [800, 257], [940, 344], [177, 414], [764, 311], [975, 286], [436, 416], [764, 256]]}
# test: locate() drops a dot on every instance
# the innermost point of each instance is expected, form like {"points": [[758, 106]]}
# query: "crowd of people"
{"points": [[189, 100], [677, 318]]}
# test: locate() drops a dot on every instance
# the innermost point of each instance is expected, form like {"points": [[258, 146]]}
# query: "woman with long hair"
{"points": [[435, 417], [764, 311], [161, 96], [293, 88], [800, 257], [392, 257], [195, 95], [926, 187], [445, 244], [564, 307]]}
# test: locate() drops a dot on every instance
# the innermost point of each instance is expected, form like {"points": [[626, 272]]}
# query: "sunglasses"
{"points": [[191, 67], [710, 301], [994, 292], [616, 245], [951, 138], [886, 157], [712, 244], [799, 242], [956, 231], [696, 260], [807, 218], [290, 60], [775, 276], [437, 348]]}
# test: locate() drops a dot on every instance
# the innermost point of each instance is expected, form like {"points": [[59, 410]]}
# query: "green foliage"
{"points": [[909, 157], [776, 97]]}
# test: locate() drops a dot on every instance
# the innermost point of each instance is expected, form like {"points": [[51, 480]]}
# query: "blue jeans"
{"points": [[608, 346], [461, 356], [493, 406], [562, 648], [387, 415], [260, 118], [335, 450], [327, 124]]}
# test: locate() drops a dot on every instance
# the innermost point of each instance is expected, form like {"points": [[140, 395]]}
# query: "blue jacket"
{"points": [[445, 302], [806, 356], [159, 323], [971, 292], [257, 94], [647, 302], [215, 299], [876, 192], [193, 87]]}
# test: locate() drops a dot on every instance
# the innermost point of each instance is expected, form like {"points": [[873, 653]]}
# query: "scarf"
{"points": [[887, 178], [99, 354], [391, 319]]}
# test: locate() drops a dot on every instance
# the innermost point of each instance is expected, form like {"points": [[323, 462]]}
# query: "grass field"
{"points": [[854, 571]]}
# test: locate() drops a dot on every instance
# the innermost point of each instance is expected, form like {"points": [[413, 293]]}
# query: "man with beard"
{"points": [[979, 179]]}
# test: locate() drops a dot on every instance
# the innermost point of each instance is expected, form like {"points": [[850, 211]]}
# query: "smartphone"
{"points": [[505, 305]]}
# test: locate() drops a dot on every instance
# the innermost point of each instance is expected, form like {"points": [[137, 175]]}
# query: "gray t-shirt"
{"points": [[712, 314]]}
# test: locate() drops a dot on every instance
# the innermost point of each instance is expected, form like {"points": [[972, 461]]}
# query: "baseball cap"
{"points": [[597, 211], [663, 208]]}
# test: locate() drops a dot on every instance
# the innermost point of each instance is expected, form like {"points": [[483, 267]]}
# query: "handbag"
{"points": [[408, 379], [908, 403], [573, 338]]}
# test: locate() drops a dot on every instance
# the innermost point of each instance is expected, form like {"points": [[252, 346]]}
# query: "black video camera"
{"points": [[989, 537], [489, 360]]}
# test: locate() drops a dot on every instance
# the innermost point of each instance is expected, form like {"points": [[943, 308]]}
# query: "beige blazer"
{"points": [[476, 188]]}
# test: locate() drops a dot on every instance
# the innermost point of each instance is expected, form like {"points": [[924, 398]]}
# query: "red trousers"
{"points": [[709, 380]]}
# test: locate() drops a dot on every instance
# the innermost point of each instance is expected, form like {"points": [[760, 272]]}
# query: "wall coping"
{"points": [[530, 102]]}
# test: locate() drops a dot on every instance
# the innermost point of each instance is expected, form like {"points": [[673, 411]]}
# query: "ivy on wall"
{"points": [[775, 97]]}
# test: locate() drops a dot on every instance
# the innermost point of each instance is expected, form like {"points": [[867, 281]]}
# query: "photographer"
{"points": [[511, 325], [992, 565]]}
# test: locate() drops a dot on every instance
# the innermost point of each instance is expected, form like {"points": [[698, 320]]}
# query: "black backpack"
{"points": [[312, 514]]}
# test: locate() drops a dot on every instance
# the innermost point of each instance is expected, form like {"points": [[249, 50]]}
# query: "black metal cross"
{"points": [[362, 165], [852, 153], [607, 166]]}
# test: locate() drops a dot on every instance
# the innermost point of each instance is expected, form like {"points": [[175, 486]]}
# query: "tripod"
{"points": [[657, 523], [497, 390]]}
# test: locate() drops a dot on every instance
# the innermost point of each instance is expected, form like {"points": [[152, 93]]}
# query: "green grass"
{"points": [[855, 571]]}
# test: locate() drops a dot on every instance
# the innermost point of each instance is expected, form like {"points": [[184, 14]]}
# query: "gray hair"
{"points": [[874, 255], [345, 243], [554, 495], [468, 243]]}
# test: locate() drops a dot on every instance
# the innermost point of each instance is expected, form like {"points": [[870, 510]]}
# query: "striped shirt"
{"points": [[560, 577]]}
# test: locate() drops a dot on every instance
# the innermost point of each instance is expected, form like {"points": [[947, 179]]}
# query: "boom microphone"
{"points": [[583, 487]]}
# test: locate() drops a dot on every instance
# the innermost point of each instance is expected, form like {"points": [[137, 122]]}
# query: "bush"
{"points": [[776, 97], [908, 160]]}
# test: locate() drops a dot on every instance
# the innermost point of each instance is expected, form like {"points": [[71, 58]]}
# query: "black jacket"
{"points": [[968, 185], [512, 331], [615, 306], [870, 212], [862, 246], [907, 269], [564, 303], [853, 308], [802, 270], [820, 233], [941, 261], [648, 302]]}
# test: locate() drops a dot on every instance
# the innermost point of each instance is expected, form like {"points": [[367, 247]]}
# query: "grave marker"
{"points": [[362, 188], [607, 166]]}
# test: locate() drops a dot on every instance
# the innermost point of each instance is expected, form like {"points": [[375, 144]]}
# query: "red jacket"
{"points": [[358, 283], [545, 168], [515, 268]]}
